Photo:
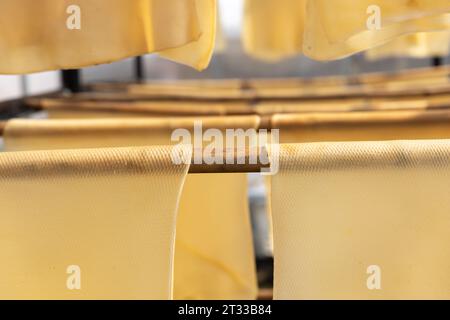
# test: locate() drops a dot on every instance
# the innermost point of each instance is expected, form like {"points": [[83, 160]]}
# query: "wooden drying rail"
{"points": [[209, 97], [74, 127], [238, 84], [241, 163], [268, 122], [376, 84], [239, 108], [295, 93], [246, 103], [230, 168]]}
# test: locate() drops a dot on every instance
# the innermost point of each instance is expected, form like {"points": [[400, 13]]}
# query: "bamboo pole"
{"points": [[268, 122], [229, 108], [241, 162], [248, 98], [237, 84]]}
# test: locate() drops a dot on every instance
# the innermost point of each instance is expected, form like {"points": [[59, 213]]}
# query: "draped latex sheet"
{"points": [[109, 212], [342, 209], [419, 45], [181, 30], [214, 256], [273, 29], [325, 30], [362, 126]]}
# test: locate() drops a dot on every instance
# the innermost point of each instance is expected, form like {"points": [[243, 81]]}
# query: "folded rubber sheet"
{"points": [[214, 256], [89, 224], [274, 29], [419, 45], [325, 30], [362, 220], [35, 35], [363, 126]]}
